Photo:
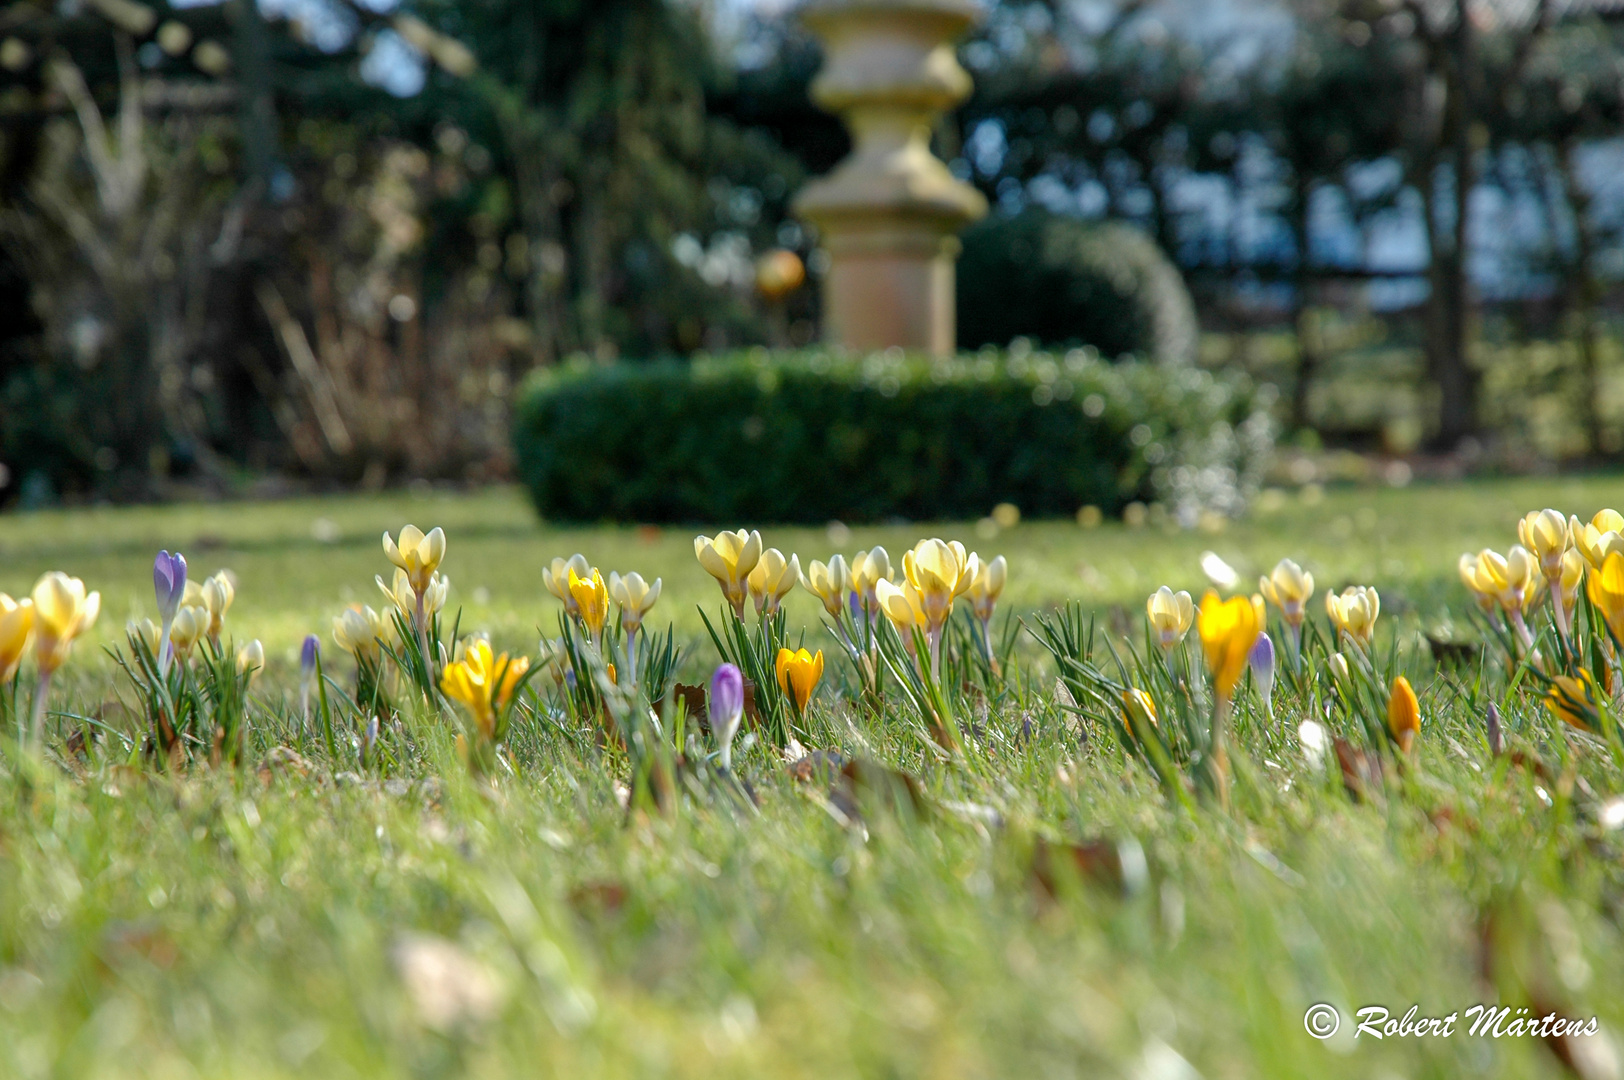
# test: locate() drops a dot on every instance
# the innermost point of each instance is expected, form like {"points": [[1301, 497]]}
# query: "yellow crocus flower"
{"points": [[635, 596], [940, 571], [868, 569], [987, 587], [484, 682], [729, 558], [1606, 591], [593, 598], [1608, 521], [828, 583], [557, 579], [1545, 533], [772, 579], [1228, 629], [1170, 614], [16, 631], [1576, 701], [902, 605], [1595, 543], [62, 611], [798, 675], [1403, 713], [361, 632], [1138, 712], [1354, 612], [1288, 588], [417, 554]]}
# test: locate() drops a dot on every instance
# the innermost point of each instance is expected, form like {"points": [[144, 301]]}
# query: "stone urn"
{"points": [[889, 214]]}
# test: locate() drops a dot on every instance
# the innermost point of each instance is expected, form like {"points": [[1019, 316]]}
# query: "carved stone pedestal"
{"points": [[889, 214]]}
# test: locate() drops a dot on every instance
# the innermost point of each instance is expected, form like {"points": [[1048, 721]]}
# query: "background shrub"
{"points": [[813, 436], [1065, 282]]}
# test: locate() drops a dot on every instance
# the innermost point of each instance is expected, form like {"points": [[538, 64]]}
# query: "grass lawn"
{"points": [[280, 921]]}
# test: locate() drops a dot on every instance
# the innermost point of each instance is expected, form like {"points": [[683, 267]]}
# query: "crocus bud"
{"points": [[1311, 736], [169, 583], [1339, 669], [1403, 714], [251, 660], [308, 654], [1261, 658], [726, 708]]}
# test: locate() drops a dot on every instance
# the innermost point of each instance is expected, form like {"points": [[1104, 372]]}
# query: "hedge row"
{"points": [[817, 435]]}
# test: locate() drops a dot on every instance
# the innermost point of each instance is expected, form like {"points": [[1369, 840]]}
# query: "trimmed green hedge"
{"points": [[818, 435]]}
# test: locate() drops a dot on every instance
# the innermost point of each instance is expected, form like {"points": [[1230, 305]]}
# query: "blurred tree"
{"points": [[1571, 95], [385, 188]]}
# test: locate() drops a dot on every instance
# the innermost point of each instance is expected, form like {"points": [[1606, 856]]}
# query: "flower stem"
{"points": [[42, 692], [423, 638]]}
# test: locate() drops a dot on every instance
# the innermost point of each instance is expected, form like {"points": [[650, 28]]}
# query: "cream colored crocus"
{"points": [[556, 577], [1354, 612], [1478, 583], [1508, 576], [362, 632], [868, 569], [903, 606], [1546, 535], [190, 625], [217, 594], [62, 612], [1289, 588], [1573, 576], [940, 571], [987, 587], [143, 632], [635, 597], [1170, 614], [828, 583], [16, 632], [251, 660], [553, 658], [1608, 521], [729, 558], [401, 594], [772, 579], [417, 553]]}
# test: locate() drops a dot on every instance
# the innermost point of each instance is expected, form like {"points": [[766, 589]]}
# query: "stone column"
{"points": [[889, 215]]}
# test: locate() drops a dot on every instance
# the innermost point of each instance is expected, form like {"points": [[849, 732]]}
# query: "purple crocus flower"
{"points": [[726, 707], [169, 582], [169, 585], [309, 653], [1261, 658]]}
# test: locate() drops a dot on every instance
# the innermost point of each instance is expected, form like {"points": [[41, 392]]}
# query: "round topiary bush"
{"points": [[1063, 282]]}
